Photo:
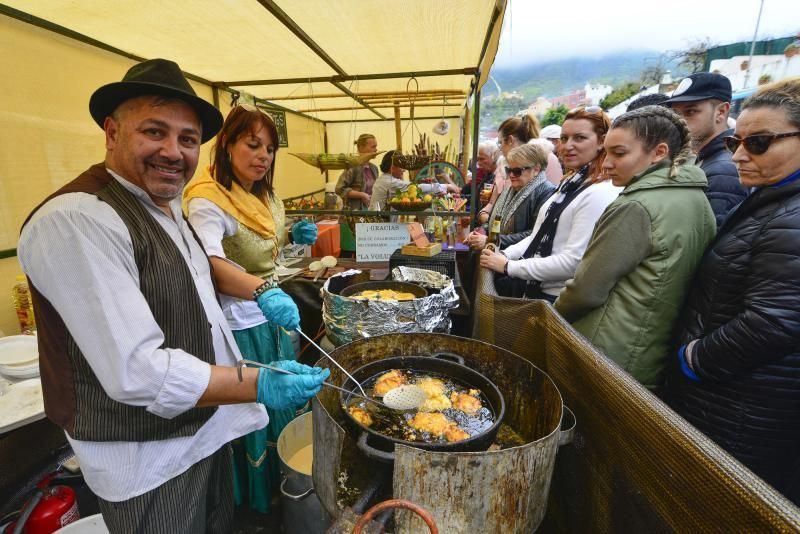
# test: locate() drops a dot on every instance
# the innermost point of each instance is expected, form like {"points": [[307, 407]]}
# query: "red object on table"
{"points": [[327, 243]]}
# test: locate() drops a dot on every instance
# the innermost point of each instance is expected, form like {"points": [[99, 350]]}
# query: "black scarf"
{"points": [[542, 243]]}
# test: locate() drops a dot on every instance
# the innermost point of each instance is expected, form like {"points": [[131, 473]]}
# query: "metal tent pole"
{"points": [[476, 122]]}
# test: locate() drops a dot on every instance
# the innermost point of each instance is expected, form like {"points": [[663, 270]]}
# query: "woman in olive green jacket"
{"points": [[633, 278]]}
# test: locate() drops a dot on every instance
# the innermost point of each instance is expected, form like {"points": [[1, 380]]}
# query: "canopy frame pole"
{"points": [[468, 71], [398, 135], [476, 129]]}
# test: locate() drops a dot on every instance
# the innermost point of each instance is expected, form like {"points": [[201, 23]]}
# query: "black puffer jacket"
{"points": [[744, 308], [724, 190]]}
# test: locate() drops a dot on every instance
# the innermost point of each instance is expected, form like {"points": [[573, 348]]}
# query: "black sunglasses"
{"points": [[516, 171], [755, 144]]}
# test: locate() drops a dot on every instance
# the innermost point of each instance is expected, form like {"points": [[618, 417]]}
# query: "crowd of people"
{"points": [[672, 244]]}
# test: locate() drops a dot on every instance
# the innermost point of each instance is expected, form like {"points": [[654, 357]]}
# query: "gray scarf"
{"points": [[509, 200]]}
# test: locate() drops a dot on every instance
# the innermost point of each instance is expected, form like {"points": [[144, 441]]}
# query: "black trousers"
{"points": [[198, 501]]}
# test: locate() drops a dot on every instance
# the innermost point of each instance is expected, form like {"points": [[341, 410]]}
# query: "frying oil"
{"points": [[394, 423]]}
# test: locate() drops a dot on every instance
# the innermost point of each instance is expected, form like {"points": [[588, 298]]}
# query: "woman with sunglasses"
{"points": [[737, 371], [631, 283], [240, 220], [539, 265], [518, 204], [512, 133]]}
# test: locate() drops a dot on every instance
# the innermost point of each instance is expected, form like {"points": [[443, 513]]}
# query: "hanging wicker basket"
{"points": [[329, 162], [410, 162]]}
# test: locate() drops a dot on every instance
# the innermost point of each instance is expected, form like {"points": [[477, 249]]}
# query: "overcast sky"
{"points": [[537, 31]]}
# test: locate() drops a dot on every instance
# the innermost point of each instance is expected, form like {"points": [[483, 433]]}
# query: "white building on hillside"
{"points": [[595, 93], [777, 67]]}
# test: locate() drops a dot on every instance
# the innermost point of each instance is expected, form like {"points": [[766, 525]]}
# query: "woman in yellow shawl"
{"points": [[241, 222]]}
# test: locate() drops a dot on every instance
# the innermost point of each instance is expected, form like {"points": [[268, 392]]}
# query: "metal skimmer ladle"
{"points": [[252, 363], [406, 397]]}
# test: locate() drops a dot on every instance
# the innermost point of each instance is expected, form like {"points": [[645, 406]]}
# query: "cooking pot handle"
{"points": [[396, 503], [292, 497], [568, 422], [372, 452], [449, 356]]}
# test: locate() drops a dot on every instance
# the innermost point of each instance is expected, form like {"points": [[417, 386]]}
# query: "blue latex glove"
{"points": [[280, 392], [304, 232], [687, 371], [279, 308]]}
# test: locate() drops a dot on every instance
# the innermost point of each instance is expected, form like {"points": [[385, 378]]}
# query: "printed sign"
{"points": [[377, 241]]}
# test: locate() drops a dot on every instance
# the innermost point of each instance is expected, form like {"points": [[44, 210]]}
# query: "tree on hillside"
{"points": [[554, 116], [694, 57], [653, 74], [619, 94]]}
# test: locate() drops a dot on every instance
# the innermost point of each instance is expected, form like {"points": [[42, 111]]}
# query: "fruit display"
{"points": [[411, 199], [305, 203]]}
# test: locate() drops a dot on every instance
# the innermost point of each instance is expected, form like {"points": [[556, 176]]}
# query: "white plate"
{"points": [[94, 524], [21, 404], [20, 371], [18, 350]]}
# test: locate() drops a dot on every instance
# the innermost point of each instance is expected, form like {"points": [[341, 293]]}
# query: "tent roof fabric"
{"points": [[236, 44]]}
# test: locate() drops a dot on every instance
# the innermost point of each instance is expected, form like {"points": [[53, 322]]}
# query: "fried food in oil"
{"points": [[433, 387], [455, 433], [467, 403], [434, 423], [435, 404], [388, 381], [438, 425], [360, 415], [404, 296]]}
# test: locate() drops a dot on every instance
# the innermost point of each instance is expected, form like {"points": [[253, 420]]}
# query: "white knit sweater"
{"points": [[572, 236]]}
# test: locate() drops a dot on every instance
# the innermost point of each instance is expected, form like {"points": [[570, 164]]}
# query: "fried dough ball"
{"points": [[434, 423], [466, 402], [360, 415], [455, 433], [435, 404], [402, 297], [433, 387], [388, 381]]}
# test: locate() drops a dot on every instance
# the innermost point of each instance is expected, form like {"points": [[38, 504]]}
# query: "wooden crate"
{"points": [[413, 250]]}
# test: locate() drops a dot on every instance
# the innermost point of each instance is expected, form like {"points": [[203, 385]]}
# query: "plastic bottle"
{"points": [[21, 296]]}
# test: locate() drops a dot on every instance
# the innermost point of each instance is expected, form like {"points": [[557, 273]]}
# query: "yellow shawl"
{"points": [[240, 204]]}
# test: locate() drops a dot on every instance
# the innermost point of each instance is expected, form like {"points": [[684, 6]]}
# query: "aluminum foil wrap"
{"points": [[348, 319]]}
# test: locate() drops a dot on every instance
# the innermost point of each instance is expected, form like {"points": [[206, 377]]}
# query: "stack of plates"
{"points": [[19, 357]]}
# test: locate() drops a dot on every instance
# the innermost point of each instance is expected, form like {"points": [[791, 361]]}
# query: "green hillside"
{"points": [[560, 77]]}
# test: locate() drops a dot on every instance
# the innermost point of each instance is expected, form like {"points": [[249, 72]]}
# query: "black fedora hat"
{"points": [[154, 77]]}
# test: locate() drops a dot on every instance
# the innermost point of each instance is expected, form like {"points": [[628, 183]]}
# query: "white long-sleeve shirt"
{"points": [[78, 253], [572, 235], [212, 223]]}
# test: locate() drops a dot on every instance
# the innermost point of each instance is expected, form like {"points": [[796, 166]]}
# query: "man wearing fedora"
{"points": [[703, 99], [136, 358]]}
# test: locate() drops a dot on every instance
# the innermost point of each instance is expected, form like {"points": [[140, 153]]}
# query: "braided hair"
{"points": [[656, 124]]}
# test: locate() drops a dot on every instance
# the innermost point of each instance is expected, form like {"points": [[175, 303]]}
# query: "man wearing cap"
{"points": [[703, 99], [136, 358]]}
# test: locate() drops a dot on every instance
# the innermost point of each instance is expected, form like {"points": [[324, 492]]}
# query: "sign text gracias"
{"points": [[377, 241]]}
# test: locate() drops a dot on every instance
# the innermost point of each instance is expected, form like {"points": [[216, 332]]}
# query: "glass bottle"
{"points": [[493, 238], [23, 305]]}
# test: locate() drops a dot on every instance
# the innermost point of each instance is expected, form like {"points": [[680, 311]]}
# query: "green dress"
{"points": [[256, 468]]}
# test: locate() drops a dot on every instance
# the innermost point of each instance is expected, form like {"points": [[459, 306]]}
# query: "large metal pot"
{"points": [[380, 446], [301, 509], [484, 491]]}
